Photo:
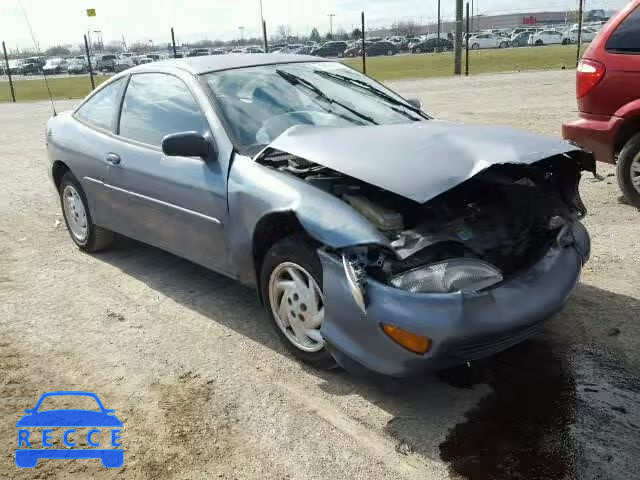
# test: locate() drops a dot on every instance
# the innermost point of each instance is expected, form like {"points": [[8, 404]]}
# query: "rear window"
{"points": [[626, 37]]}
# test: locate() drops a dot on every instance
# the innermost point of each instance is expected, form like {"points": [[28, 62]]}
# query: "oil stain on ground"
{"points": [[552, 414]]}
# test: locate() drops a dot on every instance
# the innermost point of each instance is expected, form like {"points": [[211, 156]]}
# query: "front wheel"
{"points": [[75, 209], [503, 44], [515, 43], [539, 43], [291, 283], [629, 171], [475, 46]]}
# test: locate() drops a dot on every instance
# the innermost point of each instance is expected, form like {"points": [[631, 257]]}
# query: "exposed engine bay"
{"points": [[507, 216]]}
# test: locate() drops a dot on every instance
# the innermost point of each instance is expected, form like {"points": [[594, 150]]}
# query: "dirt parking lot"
{"points": [[205, 390]]}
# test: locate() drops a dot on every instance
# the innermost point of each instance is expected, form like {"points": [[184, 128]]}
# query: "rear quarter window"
{"points": [[626, 37], [99, 109]]}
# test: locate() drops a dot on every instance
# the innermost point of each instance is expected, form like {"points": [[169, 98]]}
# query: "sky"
{"points": [[56, 22]]}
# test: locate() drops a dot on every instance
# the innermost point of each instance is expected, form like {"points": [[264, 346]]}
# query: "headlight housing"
{"points": [[457, 275]]}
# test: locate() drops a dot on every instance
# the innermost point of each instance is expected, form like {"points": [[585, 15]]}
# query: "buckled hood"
{"points": [[418, 160]]}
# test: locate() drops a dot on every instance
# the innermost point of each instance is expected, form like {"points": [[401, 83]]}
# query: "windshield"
{"points": [[259, 103]]}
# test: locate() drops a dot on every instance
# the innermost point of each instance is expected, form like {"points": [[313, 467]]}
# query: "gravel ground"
{"points": [[204, 389]]}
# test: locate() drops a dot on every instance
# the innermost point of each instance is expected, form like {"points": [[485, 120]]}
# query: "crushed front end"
{"points": [[469, 273]]}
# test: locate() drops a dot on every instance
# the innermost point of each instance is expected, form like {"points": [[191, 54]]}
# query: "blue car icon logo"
{"points": [[70, 421]]}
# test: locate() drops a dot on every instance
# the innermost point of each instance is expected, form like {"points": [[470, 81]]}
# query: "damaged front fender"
{"points": [[259, 194]]}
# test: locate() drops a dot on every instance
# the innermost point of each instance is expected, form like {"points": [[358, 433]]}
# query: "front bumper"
{"points": [[462, 327], [596, 133]]}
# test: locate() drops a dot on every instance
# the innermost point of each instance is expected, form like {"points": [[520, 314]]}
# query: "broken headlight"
{"points": [[457, 275]]}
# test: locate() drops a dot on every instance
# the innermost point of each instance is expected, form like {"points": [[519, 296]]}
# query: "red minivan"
{"points": [[608, 92]]}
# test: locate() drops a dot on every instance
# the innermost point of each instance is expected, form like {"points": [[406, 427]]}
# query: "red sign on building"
{"points": [[530, 20]]}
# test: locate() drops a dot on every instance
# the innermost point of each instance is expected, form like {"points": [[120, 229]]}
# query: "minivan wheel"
{"points": [[291, 284], [629, 171], [77, 217]]}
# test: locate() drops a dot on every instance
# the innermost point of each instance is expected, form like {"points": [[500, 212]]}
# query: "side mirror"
{"points": [[185, 144], [415, 102]]}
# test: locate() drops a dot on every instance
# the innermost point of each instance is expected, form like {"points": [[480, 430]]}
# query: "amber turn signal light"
{"points": [[411, 341]]}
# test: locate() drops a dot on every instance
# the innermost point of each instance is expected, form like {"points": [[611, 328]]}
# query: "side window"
{"points": [[99, 109], [626, 37], [155, 105]]}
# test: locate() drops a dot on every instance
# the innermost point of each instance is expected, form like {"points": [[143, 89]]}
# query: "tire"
{"points": [[295, 253], [475, 46], [565, 41], [390, 53], [539, 43], [417, 50], [503, 45], [96, 238], [515, 43], [628, 169]]}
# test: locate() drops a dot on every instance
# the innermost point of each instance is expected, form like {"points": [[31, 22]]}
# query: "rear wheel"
{"points": [[503, 45], [75, 209], [475, 46], [539, 43], [515, 43], [291, 283], [629, 170]]}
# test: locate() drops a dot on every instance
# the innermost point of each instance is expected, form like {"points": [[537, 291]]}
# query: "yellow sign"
{"points": [[91, 12]]}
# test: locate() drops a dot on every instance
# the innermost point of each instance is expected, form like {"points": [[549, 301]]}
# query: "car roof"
{"points": [[215, 63]]}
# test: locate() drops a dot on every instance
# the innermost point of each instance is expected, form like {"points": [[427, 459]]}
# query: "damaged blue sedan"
{"points": [[377, 237]]}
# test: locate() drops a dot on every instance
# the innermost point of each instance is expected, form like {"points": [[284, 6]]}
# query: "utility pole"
{"points": [[457, 69], [364, 53], [437, 48], [579, 42], [6, 64], [331, 15], [264, 29], [473, 15], [173, 44], [241, 35], [466, 45]]}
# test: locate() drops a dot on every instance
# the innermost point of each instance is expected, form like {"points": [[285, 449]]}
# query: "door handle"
{"points": [[112, 158]]}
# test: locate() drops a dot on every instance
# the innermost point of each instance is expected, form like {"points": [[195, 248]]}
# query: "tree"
{"points": [[408, 27], [57, 51], [356, 34], [328, 36], [284, 32], [315, 35], [341, 34]]}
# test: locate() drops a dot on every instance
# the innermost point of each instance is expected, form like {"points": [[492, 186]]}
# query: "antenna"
{"points": [[44, 75]]}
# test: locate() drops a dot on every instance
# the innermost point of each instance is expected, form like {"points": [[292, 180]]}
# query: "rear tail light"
{"points": [[589, 74]]}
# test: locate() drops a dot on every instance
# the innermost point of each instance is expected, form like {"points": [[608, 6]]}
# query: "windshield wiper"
{"points": [[294, 79], [370, 88]]}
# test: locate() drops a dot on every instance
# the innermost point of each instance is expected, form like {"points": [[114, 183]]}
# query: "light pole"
{"points": [[263, 25], [331, 15], [437, 49], [241, 36]]}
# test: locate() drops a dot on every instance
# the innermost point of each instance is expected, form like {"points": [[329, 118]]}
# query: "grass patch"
{"points": [[381, 68], [482, 61], [61, 87]]}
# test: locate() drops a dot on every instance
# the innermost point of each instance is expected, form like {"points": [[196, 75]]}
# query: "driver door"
{"points": [[176, 203]]}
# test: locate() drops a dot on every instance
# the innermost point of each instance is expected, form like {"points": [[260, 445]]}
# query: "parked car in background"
{"points": [[55, 66], [106, 62], [430, 44], [145, 60], [77, 66], [330, 49], [31, 66], [377, 237], [608, 97], [199, 52], [487, 40], [381, 48], [14, 66], [571, 35], [253, 49], [546, 37], [122, 63], [521, 39]]}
